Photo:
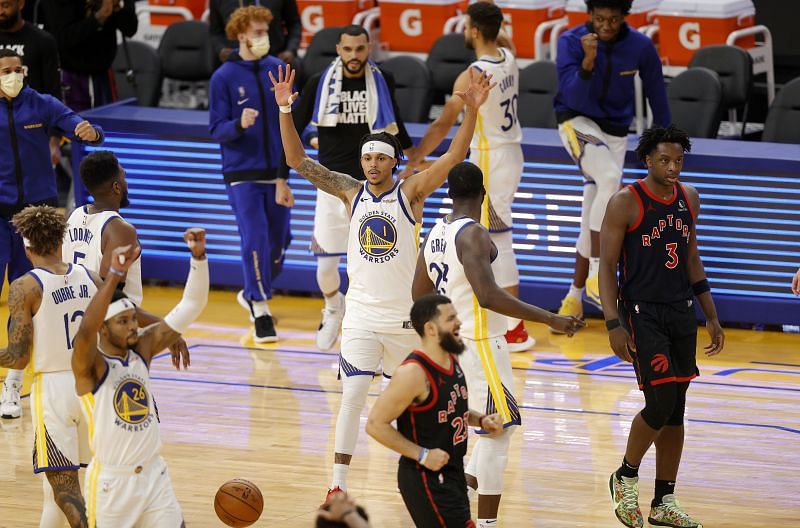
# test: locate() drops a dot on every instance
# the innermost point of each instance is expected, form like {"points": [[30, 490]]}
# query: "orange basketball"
{"points": [[238, 503]]}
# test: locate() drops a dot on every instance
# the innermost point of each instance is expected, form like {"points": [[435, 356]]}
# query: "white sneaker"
{"points": [[244, 303], [329, 326], [9, 401]]}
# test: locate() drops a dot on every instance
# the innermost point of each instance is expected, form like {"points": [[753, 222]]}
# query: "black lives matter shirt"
{"points": [[338, 146], [39, 54]]}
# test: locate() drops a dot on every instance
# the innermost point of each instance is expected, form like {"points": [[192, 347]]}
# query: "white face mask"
{"points": [[259, 46], [11, 84]]}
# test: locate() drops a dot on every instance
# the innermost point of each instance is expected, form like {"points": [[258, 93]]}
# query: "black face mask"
{"points": [[10, 22]]}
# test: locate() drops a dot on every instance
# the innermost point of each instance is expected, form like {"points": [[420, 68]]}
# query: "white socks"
{"points": [[576, 293], [14, 375], [260, 308], [335, 302], [340, 476], [487, 523], [594, 266]]}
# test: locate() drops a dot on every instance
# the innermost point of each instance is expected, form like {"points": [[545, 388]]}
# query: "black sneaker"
{"points": [[265, 330]]}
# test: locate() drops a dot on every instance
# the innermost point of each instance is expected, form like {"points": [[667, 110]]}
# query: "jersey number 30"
{"points": [[510, 108]]}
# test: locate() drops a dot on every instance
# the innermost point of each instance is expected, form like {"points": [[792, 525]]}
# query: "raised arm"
{"points": [[22, 293], [162, 334], [699, 282], [341, 185], [473, 247], [422, 184], [87, 365], [612, 235], [422, 284]]}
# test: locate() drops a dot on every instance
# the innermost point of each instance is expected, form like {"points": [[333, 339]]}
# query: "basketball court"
{"points": [[267, 413]]}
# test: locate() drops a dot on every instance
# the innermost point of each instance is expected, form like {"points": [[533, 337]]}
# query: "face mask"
{"points": [[259, 46], [11, 84]]}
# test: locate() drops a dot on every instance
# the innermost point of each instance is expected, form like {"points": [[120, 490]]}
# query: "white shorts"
{"points": [[331, 226], [362, 351], [131, 496], [502, 171], [487, 367], [61, 434]]}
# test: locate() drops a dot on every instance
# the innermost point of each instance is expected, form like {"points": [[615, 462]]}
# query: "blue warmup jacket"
{"points": [[26, 124], [606, 94], [255, 153]]}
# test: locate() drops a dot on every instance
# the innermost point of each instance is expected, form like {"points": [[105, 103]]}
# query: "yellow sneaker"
{"points": [[569, 306], [592, 292]]}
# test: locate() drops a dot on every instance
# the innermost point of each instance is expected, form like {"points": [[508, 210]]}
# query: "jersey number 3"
{"points": [[673, 256]]}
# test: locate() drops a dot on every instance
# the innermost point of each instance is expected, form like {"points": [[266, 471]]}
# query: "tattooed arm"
{"points": [[23, 296], [67, 493], [338, 184]]}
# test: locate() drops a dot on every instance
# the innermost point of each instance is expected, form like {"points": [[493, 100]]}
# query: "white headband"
{"points": [[377, 146], [26, 242], [119, 306]]}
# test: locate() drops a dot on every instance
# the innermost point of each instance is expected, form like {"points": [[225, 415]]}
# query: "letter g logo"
{"points": [[312, 18], [411, 22], [689, 35]]}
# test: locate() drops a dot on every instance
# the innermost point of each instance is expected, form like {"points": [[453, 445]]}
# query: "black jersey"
{"points": [[441, 421], [652, 266]]}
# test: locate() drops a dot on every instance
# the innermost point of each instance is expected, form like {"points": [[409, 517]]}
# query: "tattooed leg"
{"points": [[67, 492]]}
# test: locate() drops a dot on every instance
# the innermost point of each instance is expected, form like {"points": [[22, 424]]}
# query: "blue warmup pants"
{"points": [[12, 253], [265, 235]]}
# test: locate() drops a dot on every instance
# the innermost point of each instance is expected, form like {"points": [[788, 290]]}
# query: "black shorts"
{"points": [[666, 340], [434, 498]]}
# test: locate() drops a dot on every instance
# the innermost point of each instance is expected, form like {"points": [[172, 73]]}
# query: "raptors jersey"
{"points": [[123, 423], [64, 301], [497, 123], [442, 420], [652, 267], [447, 273], [381, 258], [83, 245]]}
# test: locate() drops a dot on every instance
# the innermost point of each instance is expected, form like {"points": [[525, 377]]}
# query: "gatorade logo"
{"points": [[411, 22], [507, 24], [660, 363], [689, 35], [311, 17]]}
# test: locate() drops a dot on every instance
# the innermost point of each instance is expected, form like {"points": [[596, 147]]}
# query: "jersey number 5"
{"points": [[673, 256]]}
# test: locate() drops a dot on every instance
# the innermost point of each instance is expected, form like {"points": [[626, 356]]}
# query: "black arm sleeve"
{"points": [[125, 19]]}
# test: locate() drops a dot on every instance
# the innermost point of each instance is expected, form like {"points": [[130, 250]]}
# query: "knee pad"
{"points": [[504, 267], [680, 405], [328, 274], [659, 404], [492, 461]]}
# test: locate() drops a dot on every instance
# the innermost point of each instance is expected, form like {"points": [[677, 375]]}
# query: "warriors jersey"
{"points": [[447, 273], [64, 301], [655, 249], [381, 258], [441, 421], [497, 118], [83, 245], [123, 422]]}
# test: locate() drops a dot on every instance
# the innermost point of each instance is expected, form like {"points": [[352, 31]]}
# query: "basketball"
{"points": [[238, 503]]}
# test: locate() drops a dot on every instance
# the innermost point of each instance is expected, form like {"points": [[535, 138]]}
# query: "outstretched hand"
{"points": [[478, 90], [283, 86]]}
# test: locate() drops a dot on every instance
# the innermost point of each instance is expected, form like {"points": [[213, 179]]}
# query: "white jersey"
{"points": [[123, 422], [381, 258], [83, 245], [447, 273], [497, 123], [64, 301]]}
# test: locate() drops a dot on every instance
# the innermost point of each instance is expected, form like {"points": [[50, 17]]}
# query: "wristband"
{"points": [[423, 455], [611, 324], [701, 287], [116, 272], [287, 109]]}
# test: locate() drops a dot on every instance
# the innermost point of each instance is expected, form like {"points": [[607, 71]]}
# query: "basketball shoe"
{"points": [[592, 292], [625, 497], [9, 401], [670, 513], [264, 324], [331, 321], [518, 339], [333, 491], [569, 306]]}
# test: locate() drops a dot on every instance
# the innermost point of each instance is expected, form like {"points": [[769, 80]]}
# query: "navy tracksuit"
{"points": [[26, 172], [250, 161]]}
